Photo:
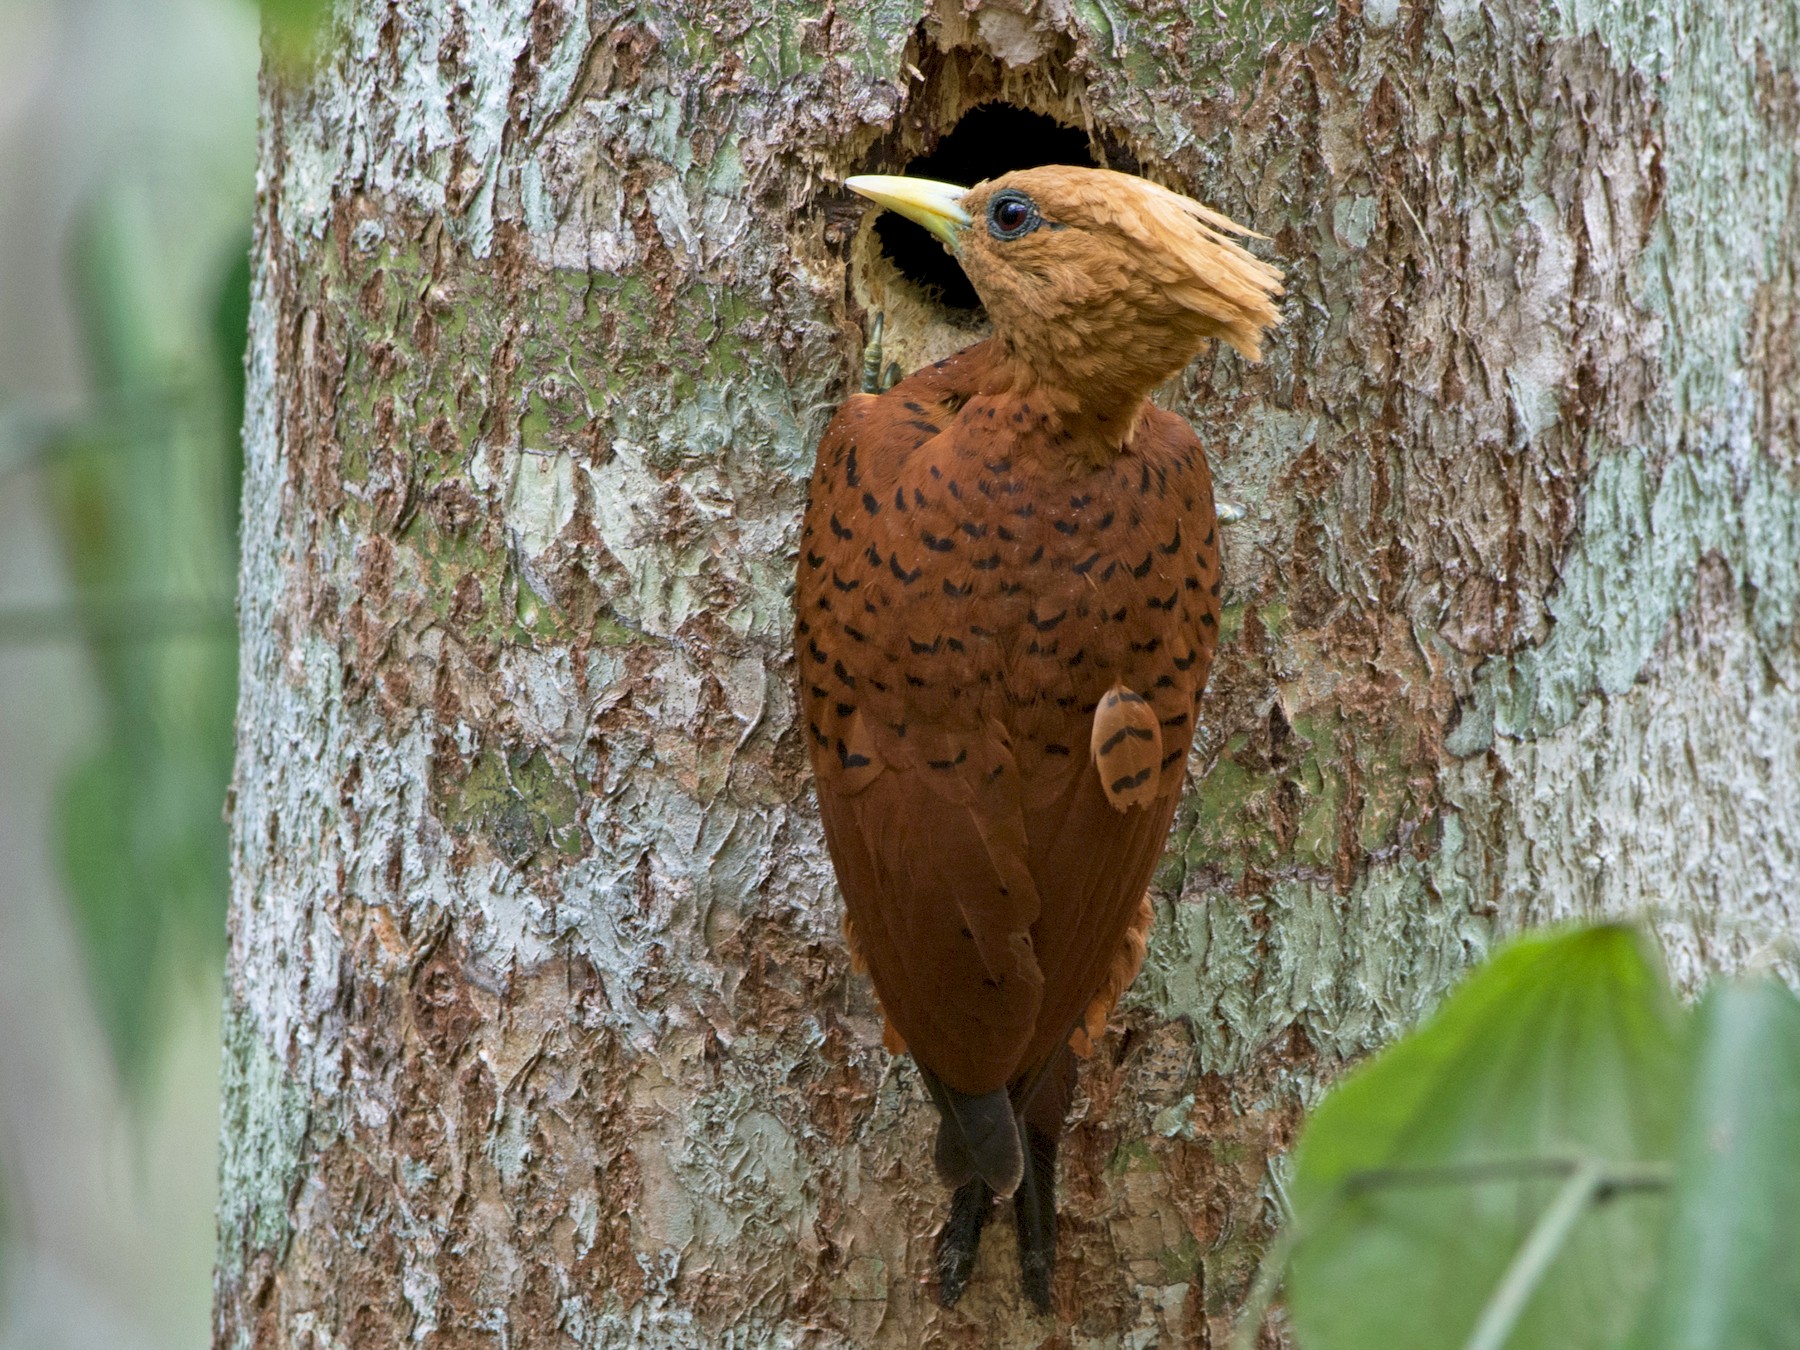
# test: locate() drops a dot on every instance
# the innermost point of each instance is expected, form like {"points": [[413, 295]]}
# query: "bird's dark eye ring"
{"points": [[1012, 214]]}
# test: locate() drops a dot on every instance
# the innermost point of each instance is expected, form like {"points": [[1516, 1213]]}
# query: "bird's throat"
{"points": [[1086, 417]]}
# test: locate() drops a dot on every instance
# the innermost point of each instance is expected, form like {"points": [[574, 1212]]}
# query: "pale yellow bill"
{"points": [[936, 206]]}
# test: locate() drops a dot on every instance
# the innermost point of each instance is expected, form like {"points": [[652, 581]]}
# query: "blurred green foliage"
{"points": [[1731, 1257], [292, 29], [1562, 1158], [145, 493]]}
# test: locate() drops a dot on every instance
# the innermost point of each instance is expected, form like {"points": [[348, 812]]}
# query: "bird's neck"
{"points": [[1086, 415]]}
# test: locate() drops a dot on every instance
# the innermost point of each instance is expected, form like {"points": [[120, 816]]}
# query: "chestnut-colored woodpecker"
{"points": [[1007, 605]]}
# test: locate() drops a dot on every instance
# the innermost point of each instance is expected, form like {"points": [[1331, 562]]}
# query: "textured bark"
{"points": [[540, 1028]]}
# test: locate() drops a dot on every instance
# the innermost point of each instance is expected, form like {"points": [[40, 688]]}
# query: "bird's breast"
{"points": [[973, 585]]}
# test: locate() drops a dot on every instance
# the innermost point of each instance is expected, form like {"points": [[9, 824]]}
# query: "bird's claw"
{"points": [[875, 380], [871, 365], [1230, 513]]}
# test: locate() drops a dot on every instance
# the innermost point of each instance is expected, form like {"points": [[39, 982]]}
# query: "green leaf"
{"points": [[1732, 1272], [116, 912], [1419, 1181], [144, 495]]}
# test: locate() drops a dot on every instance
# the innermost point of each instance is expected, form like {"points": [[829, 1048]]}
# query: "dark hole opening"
{"points": [[989, 140]]}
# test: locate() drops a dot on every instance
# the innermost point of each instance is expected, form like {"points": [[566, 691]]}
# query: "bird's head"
{"points": [[1098, 283]]}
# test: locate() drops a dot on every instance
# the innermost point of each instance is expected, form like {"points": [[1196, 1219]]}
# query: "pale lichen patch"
{"points": [[264, 1129]]}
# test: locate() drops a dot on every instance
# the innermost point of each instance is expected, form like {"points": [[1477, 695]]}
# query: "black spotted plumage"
{"points": [[999, 680]]}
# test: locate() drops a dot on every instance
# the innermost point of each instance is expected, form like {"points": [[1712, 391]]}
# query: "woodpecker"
{"points": [[1006, 609]]}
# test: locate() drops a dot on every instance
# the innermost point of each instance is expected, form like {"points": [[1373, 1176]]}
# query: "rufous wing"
{"points": [[1126, 963]]}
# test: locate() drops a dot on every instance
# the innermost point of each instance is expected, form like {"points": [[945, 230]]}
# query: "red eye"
{"points": [[1011, 216]]}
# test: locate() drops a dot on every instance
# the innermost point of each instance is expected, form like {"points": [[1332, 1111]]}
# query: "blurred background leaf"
{"points": [[293, 30], [145, 500], [1562, 1050], [1561, 1158], [144, 486], [1731, 1268], [127, 142]]}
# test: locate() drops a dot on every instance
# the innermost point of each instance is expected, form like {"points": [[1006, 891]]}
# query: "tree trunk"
{"points": [[540, 1027]]}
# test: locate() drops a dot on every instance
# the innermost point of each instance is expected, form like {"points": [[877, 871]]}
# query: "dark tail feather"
{"points": [[1001, 1143], [1043, 1098], [977, 1136], [1034, 1214], [1042, 1104], [961, 1239]]}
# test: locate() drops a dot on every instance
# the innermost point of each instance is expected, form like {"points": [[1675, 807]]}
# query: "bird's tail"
{"points": [[1034, 1215], [1041, 1103], [978, 1136], [1007, 1137]]}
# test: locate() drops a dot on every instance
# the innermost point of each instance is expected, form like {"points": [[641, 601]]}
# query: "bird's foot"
{"points": [[874, 379], [961, 1239], [1230, 513]]}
